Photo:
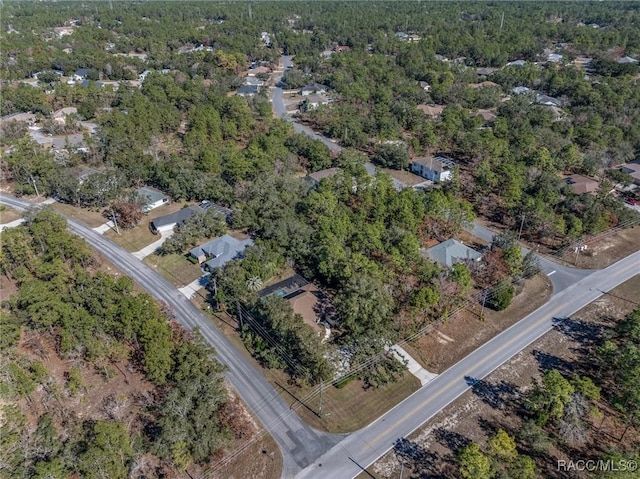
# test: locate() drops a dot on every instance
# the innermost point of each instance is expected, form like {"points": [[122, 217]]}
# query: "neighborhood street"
{"points": [[299, 443], [362, 448]]}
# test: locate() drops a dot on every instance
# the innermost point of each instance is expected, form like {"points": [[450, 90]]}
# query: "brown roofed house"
{"points": [[433, 111], [582, 184]]}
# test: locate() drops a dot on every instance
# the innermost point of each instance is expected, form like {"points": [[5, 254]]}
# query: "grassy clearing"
{"points": [[137, 238], [92, 218], [174, 267]]}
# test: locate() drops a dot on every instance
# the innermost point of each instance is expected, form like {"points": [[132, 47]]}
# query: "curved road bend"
{"points": [[299, 443], [361, 449]]}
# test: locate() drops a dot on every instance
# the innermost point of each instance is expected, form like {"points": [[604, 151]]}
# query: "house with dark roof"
{"points": [[152, 198], [80, 74], [632, 169], [311, 102], [450, 252], [436, 169], [219, 251], [306, 300], [173, 220], [542, 99]]}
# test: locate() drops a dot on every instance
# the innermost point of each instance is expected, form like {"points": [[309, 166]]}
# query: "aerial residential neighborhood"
{"points": [[320, 240]]}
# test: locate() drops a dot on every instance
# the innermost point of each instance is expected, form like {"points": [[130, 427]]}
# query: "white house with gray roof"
{"points": [[436, 169], [151, 198]]}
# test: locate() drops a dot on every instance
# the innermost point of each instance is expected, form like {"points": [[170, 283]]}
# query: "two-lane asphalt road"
{"points": [[561, 277], [299, 443], [362, 448]]}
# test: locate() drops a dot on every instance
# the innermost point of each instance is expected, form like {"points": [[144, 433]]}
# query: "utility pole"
{"points": [[239, 315], [320, 406], [578, 249], [484, 299], [115, 222], [521, 225], [501, 23], [35, 187]]}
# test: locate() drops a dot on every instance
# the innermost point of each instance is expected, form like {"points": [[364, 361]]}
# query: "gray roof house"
{"points": [[451, 251], [313, 88], [218, 252], [248, 90], [152, 198], [168, 222]]}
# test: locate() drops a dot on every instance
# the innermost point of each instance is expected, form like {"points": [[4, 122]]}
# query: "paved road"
{"points": [[299, 443], [279, 108], [562, 277], [362, 448]]}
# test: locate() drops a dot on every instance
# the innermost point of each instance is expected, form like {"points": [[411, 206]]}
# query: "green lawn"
{"points": [[176, 268], [88, 217]]}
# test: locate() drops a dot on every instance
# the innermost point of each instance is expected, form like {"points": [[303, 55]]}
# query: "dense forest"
{"points": [[69, 335]]}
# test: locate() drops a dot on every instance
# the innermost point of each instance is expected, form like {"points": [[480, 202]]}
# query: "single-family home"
{"points": [[425, 86], [582, 184], [632, 169], [306, 300], [316, 177], [436, 169], [554, 57], [450, 252], [253, 81], [311, 102], [219, 251], [341, 48], [80, 74], [487, 115], [313, 88], [543, 99], [258, 71], [169, 222], [517, 63], [248, 90], [28, 118], [484, 72], [520, 90], [432, 111], [151, 198]]}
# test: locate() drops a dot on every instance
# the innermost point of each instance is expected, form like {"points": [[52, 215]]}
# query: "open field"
{"points": [[605, 251], [92, 218], [343, 410], [175, 267], [491, 403], [465, 332], [135, 239]]}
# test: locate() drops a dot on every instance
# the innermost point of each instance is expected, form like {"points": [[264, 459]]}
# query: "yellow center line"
{"points": [[490, 356]]}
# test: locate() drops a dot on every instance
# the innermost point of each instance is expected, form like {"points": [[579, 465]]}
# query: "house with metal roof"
{"points": [[173, 220], [152, 198], [450, 252], [219, 251]]}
